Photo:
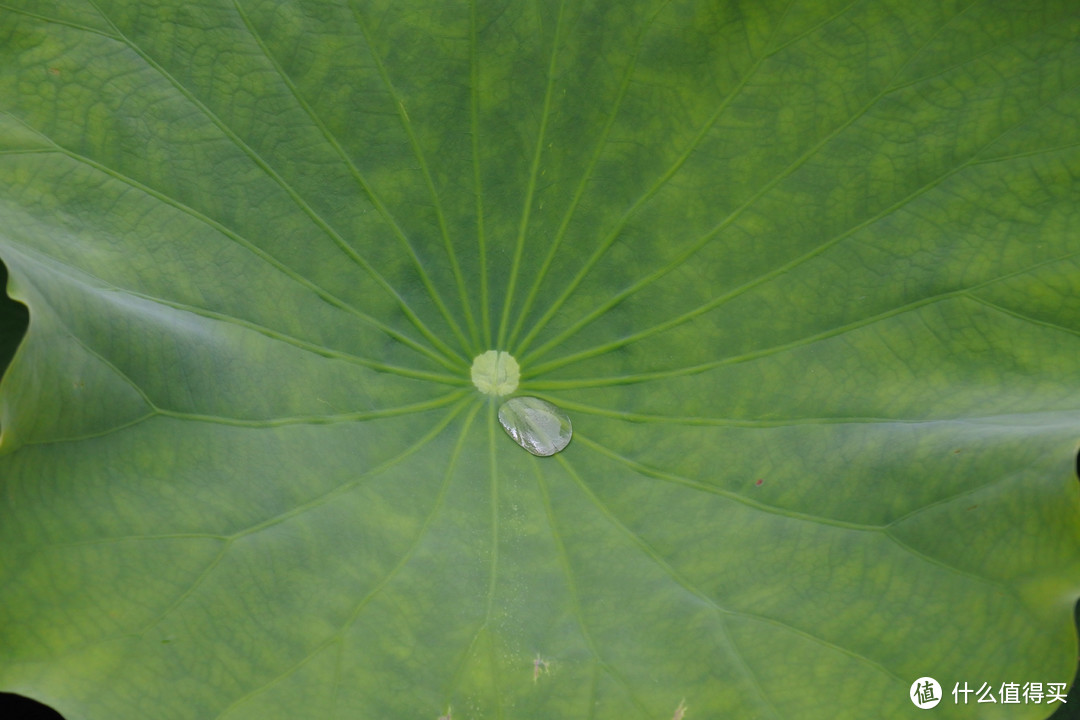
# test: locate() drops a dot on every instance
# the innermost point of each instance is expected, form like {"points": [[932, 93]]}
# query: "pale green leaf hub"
{"points": [[495, 373]]}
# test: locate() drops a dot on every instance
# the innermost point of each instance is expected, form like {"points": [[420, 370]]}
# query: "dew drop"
{"points": [[536, 425]]}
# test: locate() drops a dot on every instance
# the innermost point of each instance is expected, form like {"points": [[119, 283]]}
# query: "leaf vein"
{"points": [[515, 266], [418, 153], [338, 240], [610, 238], [560, 233], [694, 247], [575, 598]]}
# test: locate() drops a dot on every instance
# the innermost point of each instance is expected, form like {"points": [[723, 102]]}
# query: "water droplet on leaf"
{"points": [[536, 425]]}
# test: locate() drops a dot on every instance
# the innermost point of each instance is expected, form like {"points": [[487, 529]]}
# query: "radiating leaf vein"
{"points": [[721, 613], [601, 142], [448, 244], [610, 238], [58, 21], [289, 190], [575, 597], [694, 247], [338, 635], [455, 364], [534, 170], [326, 497]]}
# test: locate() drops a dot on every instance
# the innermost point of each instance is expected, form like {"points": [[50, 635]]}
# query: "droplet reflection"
{"points": [[536, 425]]}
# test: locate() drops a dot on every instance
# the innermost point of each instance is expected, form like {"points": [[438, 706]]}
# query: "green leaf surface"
{"points": [[804, 274]]}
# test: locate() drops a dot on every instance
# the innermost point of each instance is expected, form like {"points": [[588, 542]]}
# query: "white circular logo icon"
{"points": [[925, 693]]}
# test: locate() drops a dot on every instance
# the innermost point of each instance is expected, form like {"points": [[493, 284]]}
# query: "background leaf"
{"points": [[13, 322], [803, 274]]}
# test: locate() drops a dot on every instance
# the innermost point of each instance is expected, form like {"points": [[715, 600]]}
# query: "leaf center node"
{"points": [[495, 372]]}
